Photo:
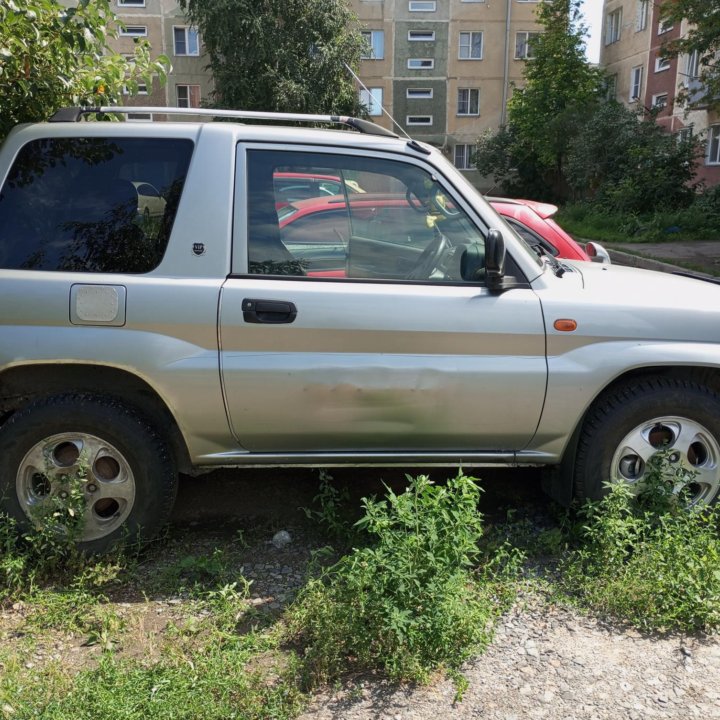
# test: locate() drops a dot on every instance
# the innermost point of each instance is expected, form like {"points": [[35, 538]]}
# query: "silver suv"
{"points": [[196, 324]]}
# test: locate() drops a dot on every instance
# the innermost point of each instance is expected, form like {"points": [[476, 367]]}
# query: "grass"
{"points": [[693, 223], [427, 601], [413, 586]]}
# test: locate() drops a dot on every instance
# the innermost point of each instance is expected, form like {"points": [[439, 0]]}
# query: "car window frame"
{"points": [[240, 241]]}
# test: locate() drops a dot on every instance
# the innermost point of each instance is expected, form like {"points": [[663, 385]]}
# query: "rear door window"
{"points": [[103, 205]]}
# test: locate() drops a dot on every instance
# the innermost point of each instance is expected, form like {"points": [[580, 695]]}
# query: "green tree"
{"points": [[560, 91], [52, 56], [703, 37], [281, 55]]}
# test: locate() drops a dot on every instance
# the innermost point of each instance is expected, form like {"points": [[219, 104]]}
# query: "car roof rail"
{"points": [[74, 114]]}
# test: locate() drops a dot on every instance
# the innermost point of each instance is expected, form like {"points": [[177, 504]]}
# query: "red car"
{"points": [[533, 222], [317, 230]]}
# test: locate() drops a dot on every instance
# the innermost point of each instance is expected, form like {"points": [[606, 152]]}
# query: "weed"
{"points": [[646, 558], [331, 512], [191, 574], [408, 603]]}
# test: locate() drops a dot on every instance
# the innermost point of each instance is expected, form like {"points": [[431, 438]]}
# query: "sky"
{"points": [[592, 10]]}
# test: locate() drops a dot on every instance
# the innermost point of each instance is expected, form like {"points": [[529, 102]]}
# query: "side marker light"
{"points": [[565, 325]]}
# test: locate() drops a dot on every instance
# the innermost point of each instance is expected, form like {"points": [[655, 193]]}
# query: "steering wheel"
{"points": [[414, 202], [429, 258]]}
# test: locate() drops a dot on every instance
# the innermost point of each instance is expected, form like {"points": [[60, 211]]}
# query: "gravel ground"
{"points": [[545, 662], [555, 664]]}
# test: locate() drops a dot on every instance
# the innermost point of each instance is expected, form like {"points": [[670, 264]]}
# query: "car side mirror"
{"points": [[597, 253], [494, 260]]}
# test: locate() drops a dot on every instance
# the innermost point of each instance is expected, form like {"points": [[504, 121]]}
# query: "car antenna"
{"points": [[382, 107]]}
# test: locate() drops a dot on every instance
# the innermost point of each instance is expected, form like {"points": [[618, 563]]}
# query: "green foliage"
{"points": [[559, 92], [646, 559], [53, 56], [409, 603], [212, 680], [703, 37], [626, 163], [332, 513], [281, 55], [700, 221], [48, 550]]}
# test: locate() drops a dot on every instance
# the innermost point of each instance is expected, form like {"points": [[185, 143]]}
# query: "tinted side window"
{"points": [[91, 204], [396, 224]]}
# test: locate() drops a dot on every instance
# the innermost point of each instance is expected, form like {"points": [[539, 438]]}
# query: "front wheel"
{"points": [[89, 460], [625, 429]]}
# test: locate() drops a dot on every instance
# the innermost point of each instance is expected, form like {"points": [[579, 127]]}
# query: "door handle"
{"points": [[272, 312]]}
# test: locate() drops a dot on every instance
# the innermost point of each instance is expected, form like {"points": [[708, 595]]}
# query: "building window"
{"points": [[422, 6], [421, 35], [375, 41], [641, 18], [524, 49], [636, 75], [141, 86], [418, 120], [660, 100], [421, 63], [419, 93], [713, 156], [139, 117], [685, 135], [662, 63], [372, 99], [188, 96], [463, 157], [611, 87], [664, 26], [693, 65], [613, 26], [131, 3], [186, 41], [141, 89], [468, 101], [134, 31], [470, 46]]}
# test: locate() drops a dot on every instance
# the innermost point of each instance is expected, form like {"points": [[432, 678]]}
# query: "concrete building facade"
{"points": [[640, 75], [445, 69]]}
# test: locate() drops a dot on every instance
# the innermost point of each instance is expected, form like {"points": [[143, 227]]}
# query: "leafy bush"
{"points": [[648, 559], [624, 162], [409, 603]]}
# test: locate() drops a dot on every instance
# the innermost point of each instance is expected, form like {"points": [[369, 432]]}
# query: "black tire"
{"points": [[650, 414], [129, 460]]}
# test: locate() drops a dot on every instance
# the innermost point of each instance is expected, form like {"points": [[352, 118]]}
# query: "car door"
{"points": [[360, 364]]}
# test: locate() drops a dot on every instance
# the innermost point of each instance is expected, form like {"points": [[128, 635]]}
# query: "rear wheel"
{"points": [[628, 427], [90, 456]]}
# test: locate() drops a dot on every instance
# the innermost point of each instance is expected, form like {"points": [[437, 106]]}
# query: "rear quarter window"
{"points": [[102, 205]]}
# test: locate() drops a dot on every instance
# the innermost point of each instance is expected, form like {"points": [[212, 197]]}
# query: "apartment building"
{"points": [[640, 75], [444, 69]]}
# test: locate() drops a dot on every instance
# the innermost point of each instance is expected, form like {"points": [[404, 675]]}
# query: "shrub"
{"points": [[647, 559], [410, 602]]}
